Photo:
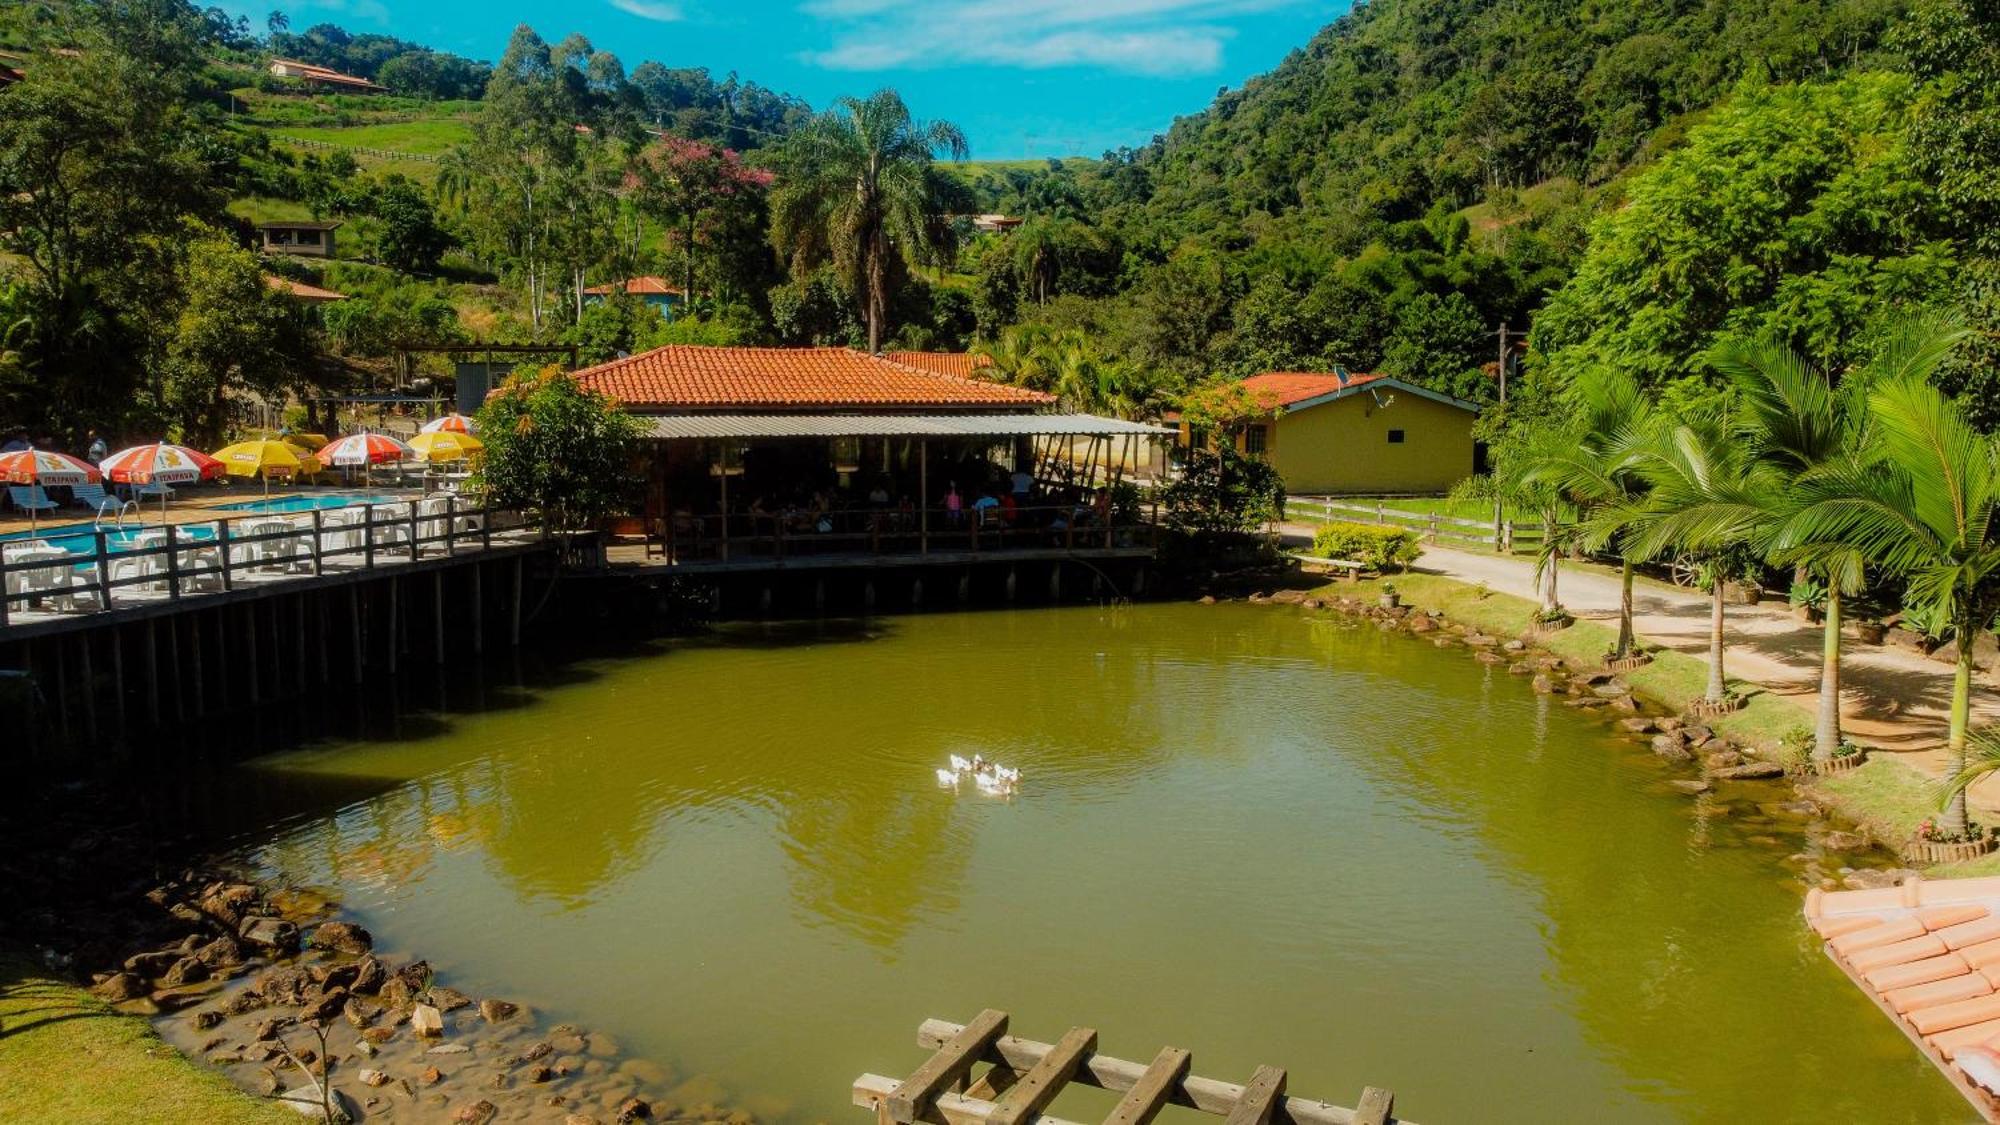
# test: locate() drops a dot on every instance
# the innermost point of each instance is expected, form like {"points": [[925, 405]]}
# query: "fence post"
{"points": [[368, 537], [6, 596], [222, 537], [450, 525], [1499, 528], [319, 555], [486, 527], [1380, 517], [415, 553], [1432, 520], [173, 565], [103, 572]]}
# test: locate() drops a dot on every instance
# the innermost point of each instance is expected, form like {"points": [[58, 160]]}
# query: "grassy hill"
{"points": [[383, 134]]}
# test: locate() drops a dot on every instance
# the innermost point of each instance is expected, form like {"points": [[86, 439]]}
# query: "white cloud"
{"points": [[659, 11], [1139, 36]]}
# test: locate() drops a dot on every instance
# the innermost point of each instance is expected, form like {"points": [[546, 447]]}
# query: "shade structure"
{"points": [[46, 466], [451, 423], [159, 463], [446, 445], [356, 450], [261, 458]]}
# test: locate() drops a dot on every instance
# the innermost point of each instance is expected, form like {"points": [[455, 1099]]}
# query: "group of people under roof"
{"points": [[1000, 502]]}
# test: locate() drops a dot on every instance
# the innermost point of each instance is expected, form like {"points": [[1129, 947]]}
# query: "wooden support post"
{"points": [[395, 624], [1055, 582], [1375, 1107], [911, 1100], [1148, 1096], [724, 478], [514, 620], [358, 649], [118, 678], [319, 599], [200, 692], [250, 653], [917, 592], [1026, 1099], [62, 688], [180, 679], [1013, 581], [923, 496], [152, 674], [478, 610], [764, 600], [437, 615], [819, 595], [868, 594], [89, 689], [1260, 1097], [965, 586], [299, 642]]}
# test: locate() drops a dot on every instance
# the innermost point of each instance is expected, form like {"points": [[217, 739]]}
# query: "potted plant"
{"points": [[1808, 599], [1389, 598], [1871, 632]]}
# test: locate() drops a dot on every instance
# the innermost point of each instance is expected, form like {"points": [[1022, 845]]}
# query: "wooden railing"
{"points": [[1496, 534], [743, 536], [212, 556]]}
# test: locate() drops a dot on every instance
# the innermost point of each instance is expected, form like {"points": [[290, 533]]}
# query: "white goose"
{"points": [[947, 779]]}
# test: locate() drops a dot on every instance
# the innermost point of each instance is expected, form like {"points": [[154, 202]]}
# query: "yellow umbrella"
{"points": [[309, 465], [260, 458], [446, 445]]}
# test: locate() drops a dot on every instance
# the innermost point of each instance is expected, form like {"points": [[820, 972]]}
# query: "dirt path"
{"points": [[1891, 698]]}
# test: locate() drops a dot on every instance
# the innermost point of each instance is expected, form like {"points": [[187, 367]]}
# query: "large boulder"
{"points": [[120, 987], [342, 937], [1750, 771], [186, 971], [270, 935]]}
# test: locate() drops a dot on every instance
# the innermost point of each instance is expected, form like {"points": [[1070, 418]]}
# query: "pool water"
{"points": [[80, 539], [1261, 836]]}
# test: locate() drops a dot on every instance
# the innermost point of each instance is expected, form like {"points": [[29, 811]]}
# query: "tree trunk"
{"points": [[1551, 603], [1625, 637], [1826, 734], [1953, 823], [1718, 687]]}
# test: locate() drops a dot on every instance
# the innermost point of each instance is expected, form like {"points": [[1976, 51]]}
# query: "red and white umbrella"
{"points": [[451, 423], [363, 449], [45, 466], [159, 463]]}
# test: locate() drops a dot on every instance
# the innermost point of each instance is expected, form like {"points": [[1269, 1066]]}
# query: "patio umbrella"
{"points": [[446, 445], [363, 449], [451, 423], [261, 458], [159, 463], [46, 467]]}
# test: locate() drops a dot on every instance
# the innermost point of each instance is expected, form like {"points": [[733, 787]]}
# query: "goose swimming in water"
{"points": [[947, 779]]}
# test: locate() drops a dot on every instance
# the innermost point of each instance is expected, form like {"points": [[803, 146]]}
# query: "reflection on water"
{"points": [[1262, 837]]}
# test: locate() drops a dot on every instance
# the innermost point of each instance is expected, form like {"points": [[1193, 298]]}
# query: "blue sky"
{"points": [[1021, 77]]}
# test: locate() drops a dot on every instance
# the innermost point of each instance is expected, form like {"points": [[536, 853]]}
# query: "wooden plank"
{"points": [[1106, 1072], [952, 1061], [871, 1091], [1037, 1088], [1375, 1106], [1149, 1095], [1255, 1105]]}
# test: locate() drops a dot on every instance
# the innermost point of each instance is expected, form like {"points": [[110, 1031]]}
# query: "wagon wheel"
{"points": [[1684, 571]]}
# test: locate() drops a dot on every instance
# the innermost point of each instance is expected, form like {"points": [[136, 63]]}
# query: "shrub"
{"points": [[1375, 546], [1222, 492]]}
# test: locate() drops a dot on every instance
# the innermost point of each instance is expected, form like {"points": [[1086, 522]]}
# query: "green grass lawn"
{"points": [[66, 1057]]}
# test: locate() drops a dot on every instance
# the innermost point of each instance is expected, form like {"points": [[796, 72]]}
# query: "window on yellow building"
{"points": [[1395, 437], [1253, 441]]}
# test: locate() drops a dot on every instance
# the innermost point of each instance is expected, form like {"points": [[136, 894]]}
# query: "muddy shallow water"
{"points": [[1261, 836]]}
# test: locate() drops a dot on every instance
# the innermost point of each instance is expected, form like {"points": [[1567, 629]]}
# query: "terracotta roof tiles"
{"points": [[962, 364], [645, 286], [1284, 388], [691, 377]]}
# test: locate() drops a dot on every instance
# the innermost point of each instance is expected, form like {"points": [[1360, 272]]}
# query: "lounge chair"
{"points": [[92, 496], [30, 498], [152, 491]]}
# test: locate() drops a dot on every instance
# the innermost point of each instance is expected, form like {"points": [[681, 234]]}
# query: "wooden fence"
{"points": [[1025, 1077], [175, 560], [384, 153], [1497, 534]]}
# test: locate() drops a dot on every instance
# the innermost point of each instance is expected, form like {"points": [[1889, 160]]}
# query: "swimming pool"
{"points": [[81, 539]]}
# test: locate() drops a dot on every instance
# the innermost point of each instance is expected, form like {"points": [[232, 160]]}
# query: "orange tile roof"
{"points": [[1928, 953], [647, 285], [1284, 388], [962, 364], [301, 290], [693, 377]]}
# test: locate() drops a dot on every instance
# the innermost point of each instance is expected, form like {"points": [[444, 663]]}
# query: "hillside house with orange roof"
{"points": [[1339, 433], [314, 76], [755, 455]]}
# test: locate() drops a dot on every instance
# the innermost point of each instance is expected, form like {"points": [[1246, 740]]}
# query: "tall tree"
{"points": [[858, 187], [1594, 461]]}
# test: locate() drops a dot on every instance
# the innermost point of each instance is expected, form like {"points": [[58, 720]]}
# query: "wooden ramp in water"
{"points": [[1024, 1077]]}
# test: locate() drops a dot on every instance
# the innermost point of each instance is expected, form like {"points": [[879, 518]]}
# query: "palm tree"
{"points": [[1595, 465], [1927, 506], [1804, 425], [856, 187], [1518, 481], [1704, 493]]}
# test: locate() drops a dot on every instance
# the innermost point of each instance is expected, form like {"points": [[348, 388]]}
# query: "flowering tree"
{"points": [[693, 188]]}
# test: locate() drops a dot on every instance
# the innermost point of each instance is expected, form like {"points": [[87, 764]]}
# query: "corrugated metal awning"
{"points": [[673, 426]]}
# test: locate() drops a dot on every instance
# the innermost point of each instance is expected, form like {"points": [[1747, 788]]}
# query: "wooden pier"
{"points": [[1024, 1077], [183, 621]]}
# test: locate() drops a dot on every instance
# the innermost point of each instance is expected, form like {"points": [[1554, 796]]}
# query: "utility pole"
{"points": [[1503, 362]]}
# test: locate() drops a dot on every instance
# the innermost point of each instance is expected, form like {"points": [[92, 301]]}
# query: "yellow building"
{"points": [[1329, 434]]}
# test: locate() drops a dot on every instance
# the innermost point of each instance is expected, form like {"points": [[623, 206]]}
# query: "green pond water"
{"points": [[1262, 837]]}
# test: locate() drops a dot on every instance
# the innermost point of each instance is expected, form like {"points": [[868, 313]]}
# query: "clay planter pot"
{"points": [[1871, 632], [1636, 660], [1389, 601], [1842, 764], [1703, 709], [1736, 593], [1928, 851]]}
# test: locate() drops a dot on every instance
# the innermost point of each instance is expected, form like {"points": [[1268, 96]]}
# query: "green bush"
{"points": [[1373, 545]]}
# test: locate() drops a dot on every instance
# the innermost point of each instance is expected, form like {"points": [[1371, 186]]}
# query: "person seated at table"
{"points": [[1101, 507], [1020, 485], [1010, 510], [879, 495], [954, 505], [986, 503], [906, 512]]}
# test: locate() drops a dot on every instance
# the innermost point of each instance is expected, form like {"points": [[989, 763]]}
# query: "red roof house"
{"points": [[688, 378]]}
